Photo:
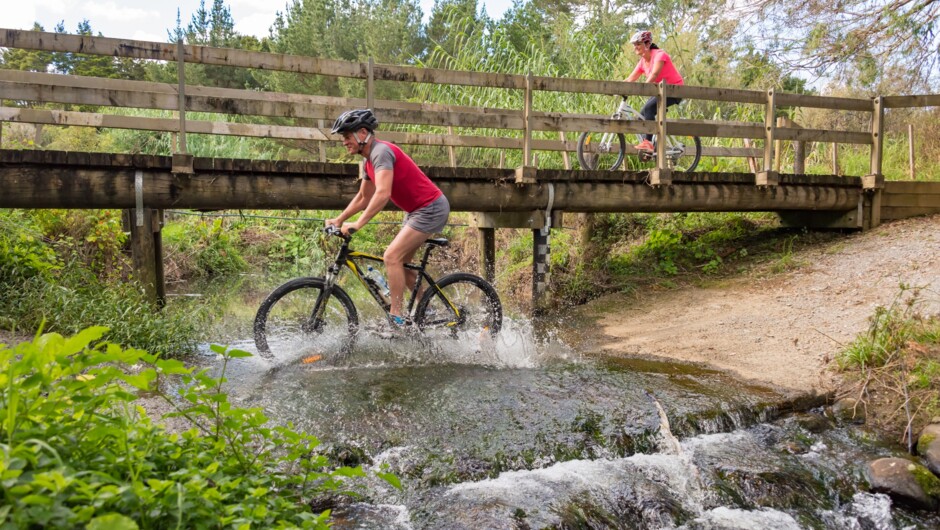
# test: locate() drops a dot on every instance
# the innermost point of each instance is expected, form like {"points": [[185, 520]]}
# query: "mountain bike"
{"points": [[315, 318], [607, 150]]}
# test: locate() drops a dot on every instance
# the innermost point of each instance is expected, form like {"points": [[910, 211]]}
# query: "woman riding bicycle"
{"points": [[657, 66]]}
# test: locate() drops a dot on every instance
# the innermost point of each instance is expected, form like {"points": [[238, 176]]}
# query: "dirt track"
{"points": [[782, 328]]}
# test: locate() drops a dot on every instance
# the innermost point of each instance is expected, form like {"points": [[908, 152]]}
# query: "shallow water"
{"points": [[528, 432]]}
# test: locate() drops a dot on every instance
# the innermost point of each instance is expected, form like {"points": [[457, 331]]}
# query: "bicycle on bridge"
{"points": [[317, 318], [607, 150]]}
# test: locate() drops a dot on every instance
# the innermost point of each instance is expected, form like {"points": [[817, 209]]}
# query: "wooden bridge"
{"points": [[521, 196]]}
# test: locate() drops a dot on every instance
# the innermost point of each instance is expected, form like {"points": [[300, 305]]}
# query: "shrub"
{"points": [[78, 452]]}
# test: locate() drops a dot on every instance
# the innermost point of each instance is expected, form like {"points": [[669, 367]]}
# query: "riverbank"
{"points": [[779, 328]]}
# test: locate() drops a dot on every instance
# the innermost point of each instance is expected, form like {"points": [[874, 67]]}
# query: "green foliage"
{"points": [[23, 253], [77, 451], [681, 243], [74, 298], [211, 244], [892, 329], [94, 237], [54, 268]]}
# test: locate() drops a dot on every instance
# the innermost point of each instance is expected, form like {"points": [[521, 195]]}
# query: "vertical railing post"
{"points": [[182, 160], [661, 175], [321, 145], [835, 158], [565, 157], [451, 151], [877, 133], [181, 77], [370, 84], [874, 182], [525, 174], [910, 151], [769, 177]]}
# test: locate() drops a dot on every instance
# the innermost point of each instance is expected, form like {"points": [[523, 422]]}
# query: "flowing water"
{"points": [[528, 432]]}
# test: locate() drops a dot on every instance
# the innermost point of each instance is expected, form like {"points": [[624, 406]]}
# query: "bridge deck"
{"points": [[55, 179]]}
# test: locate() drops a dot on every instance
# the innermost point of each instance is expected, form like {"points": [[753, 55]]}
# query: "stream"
{"points": [[528, 431]]}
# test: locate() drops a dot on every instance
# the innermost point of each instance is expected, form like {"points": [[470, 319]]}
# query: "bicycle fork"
{"points": [[315, 323]]}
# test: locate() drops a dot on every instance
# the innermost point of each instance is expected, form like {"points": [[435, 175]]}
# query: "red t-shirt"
{"points": [[411, 188]]}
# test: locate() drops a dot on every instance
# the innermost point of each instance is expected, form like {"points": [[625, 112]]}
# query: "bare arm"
{"points": [[381, 192], [654, 73], [356, 205], [634, 75]]}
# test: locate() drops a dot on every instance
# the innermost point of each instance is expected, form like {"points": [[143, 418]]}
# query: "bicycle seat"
{"points": [[437, 242]]}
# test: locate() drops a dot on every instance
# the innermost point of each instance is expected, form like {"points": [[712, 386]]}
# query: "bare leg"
{"points": [[401, 251]]}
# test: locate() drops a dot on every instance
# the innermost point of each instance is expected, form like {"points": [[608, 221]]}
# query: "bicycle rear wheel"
{"points": [[683, 153], [462, 304], [285, 327], [601, 150]]}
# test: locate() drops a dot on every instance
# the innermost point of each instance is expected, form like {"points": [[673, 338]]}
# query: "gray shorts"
{"points": [[429, 219]]}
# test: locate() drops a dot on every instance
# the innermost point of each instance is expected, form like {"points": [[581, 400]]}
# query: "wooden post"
{"points": [[540, 273], [835, 158], [799, 154], [144, 254], [502, 159], [182, 160], [877, 133], [661, 175], [874, 182], [769, 177], [451, 152], [321, 148], [778, 144], [181, 77], [370, 85], [488, 253], [910, 150], [565, 158], [525, 174], [751, 161], [159, 277], [527, 122]]}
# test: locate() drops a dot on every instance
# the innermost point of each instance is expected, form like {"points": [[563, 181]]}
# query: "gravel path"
{"points": [[783, 328]]}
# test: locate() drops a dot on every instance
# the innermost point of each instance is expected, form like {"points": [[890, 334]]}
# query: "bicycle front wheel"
{"points": [[461, 303], [601, 150], [287, 326]]}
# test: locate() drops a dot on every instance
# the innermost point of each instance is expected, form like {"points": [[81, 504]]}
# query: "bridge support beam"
{"points": [[540, 269], [147, 252], [488, 253], [536, 221]]}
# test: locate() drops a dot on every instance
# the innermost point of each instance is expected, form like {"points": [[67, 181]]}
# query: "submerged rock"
{"points": [[905, 481]]}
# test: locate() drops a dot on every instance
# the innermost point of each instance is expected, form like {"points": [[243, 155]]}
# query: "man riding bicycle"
{"points": [[390, 175], [657, 66]]}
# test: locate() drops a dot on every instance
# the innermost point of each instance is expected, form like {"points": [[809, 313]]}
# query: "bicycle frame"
{"points": [[346, 257], [674, 150]]}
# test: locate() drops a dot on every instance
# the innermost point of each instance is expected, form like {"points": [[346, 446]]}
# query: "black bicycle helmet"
{"points": [[353, 120]]}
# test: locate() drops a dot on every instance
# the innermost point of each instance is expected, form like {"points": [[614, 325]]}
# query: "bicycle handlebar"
{"points": [[332, 230]]}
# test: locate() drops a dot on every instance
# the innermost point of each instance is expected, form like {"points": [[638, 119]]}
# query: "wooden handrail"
{"points": [[522, 123]]}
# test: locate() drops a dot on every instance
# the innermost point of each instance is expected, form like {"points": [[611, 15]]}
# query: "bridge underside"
{"points": [[54, 179]]}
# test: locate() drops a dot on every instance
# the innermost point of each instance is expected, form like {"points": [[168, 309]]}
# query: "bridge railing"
{"points": [[520, 123]]}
